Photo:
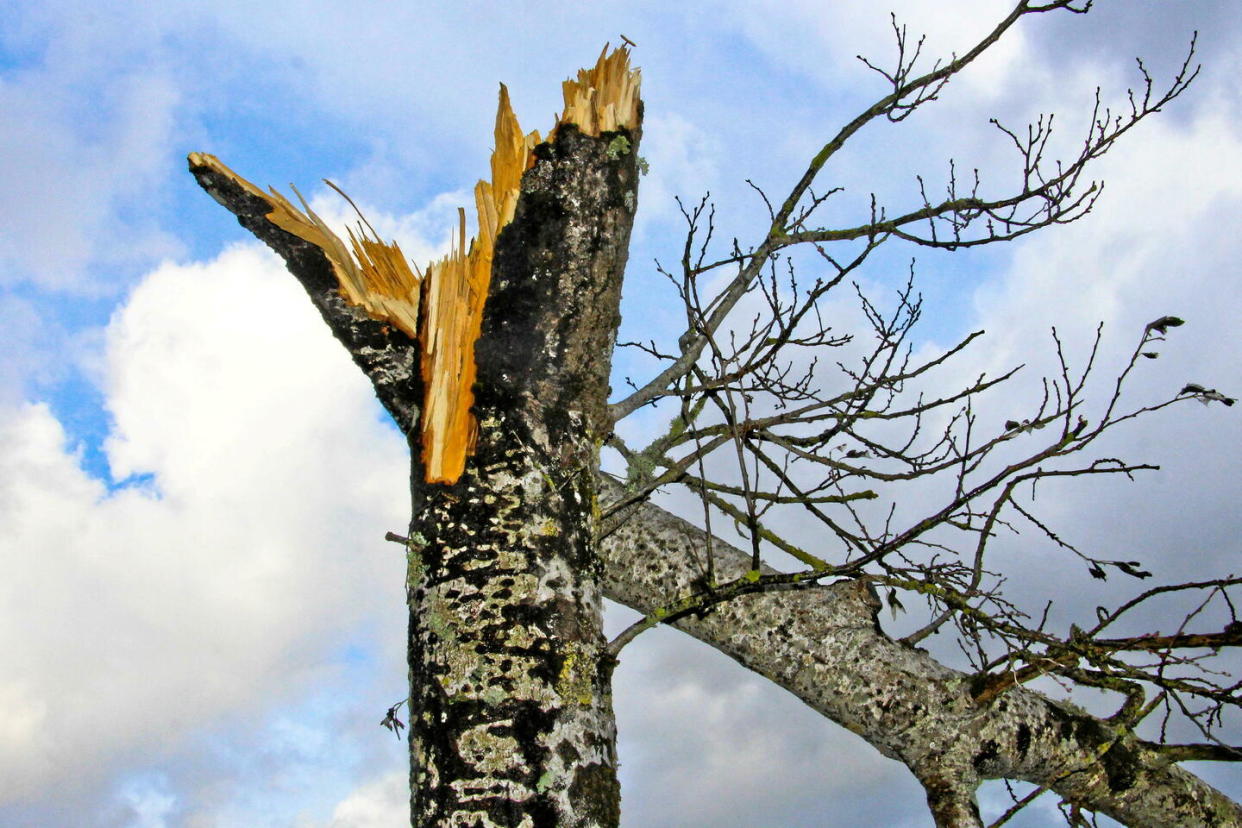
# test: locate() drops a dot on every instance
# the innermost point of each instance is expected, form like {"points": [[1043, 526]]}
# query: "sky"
{"points": [[200, 621]]}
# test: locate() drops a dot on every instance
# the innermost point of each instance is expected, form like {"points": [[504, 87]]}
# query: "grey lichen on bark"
{"points": [[825, 645], [511, 718]]}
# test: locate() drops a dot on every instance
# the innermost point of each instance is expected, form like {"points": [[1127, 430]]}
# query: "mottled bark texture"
{"points": [[825, 645], [511, 714]]}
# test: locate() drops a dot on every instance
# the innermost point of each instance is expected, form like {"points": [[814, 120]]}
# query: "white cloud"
{"points": [[824, 46], [66, 188], [36, 348], [228, 582], [684, 160], [703, 743], [1141, 255], [148, 801], [378, 804]]}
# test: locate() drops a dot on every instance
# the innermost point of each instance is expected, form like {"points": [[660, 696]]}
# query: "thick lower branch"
{"points": [[825, 646]]}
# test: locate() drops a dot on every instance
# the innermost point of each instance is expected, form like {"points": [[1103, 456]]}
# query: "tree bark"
{"points": [[510, 704], [825, 645]]}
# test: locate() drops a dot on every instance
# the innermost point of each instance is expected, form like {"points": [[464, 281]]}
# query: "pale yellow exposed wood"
{"points": [[451, 292], [605, 97], [375, 275], [457, 288]]}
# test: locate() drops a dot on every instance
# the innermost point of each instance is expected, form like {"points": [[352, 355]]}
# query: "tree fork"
{"points": [[516, 578], [791, 638]]}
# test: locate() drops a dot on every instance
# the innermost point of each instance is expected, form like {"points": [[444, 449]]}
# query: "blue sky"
{"points": [[201, 624]]}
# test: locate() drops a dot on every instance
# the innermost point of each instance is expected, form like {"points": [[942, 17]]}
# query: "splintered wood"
{"points": [[456, 290], [605, 97], [376, 276], [450, 294]]}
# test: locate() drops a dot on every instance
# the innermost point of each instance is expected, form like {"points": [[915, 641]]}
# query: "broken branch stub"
{"points": [[442, 307], [375, 275]]}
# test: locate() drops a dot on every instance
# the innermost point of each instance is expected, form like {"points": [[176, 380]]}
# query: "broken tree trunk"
{"points": [[495, 362], [510, 705]]}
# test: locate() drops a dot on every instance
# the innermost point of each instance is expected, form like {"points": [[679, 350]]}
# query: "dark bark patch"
{"points": [[568, 753], [551, 315], [1121, 764], [947, 798], [1024, 739], [1121, 761], [988, 753], [598, 785]]}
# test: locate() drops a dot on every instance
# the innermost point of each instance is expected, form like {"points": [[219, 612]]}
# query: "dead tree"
{"points": [[496, 361]]}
